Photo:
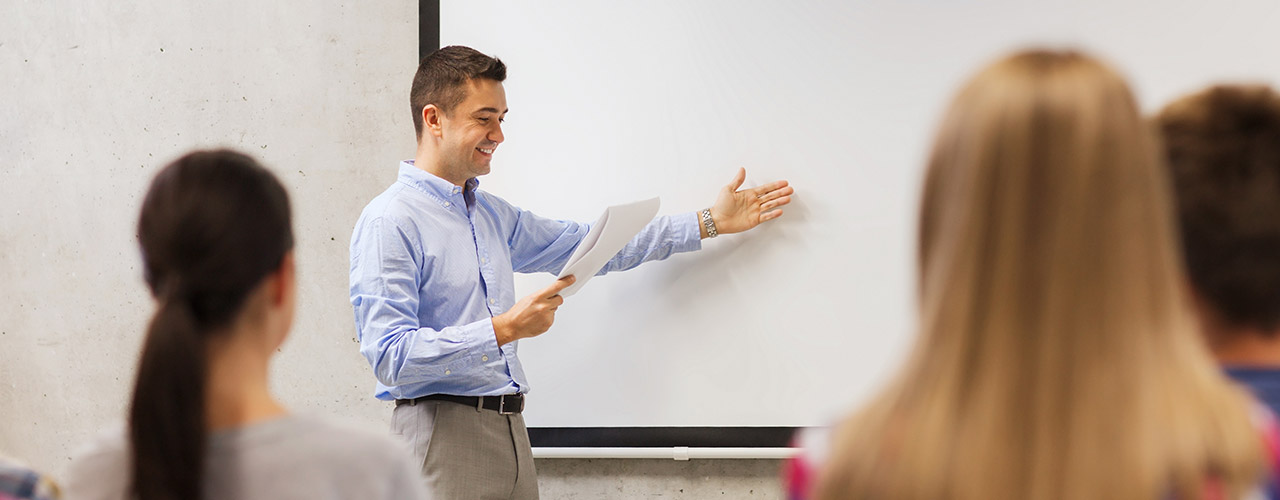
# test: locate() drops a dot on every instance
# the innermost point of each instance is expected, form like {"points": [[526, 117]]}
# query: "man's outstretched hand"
{"points": [[736, 210]]}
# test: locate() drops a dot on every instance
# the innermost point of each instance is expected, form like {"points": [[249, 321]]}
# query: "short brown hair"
{"points": [[1223, 149], [442, 77]]}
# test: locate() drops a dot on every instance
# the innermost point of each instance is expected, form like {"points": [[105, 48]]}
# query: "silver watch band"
{"points": [[709, 224]]}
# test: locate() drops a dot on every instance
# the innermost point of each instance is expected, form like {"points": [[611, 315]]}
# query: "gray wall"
{"points": [[99, 95]]}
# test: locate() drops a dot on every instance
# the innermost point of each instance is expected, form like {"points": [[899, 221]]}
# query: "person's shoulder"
{"points": [[374, 462], [390, 213], [395, 201], [110, 445], [100, 468], [493, 201], [343, 438]]}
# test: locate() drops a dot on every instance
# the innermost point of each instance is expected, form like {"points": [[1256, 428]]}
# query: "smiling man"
{"points": [[432, 263]]}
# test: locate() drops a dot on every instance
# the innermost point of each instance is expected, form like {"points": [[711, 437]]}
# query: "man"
{"points": [[432, 259], [1223, 147]]}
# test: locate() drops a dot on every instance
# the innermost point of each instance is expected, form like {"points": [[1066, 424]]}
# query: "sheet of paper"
{"points": [[612, 231]]}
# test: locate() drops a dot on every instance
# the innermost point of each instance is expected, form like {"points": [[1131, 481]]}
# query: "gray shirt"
{"points": [[282, 458]]}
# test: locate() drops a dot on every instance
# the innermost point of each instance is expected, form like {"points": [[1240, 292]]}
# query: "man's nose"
{"points": [[496, 134]]}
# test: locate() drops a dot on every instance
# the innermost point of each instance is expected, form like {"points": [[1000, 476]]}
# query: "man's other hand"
{"points": [[532, 315]]}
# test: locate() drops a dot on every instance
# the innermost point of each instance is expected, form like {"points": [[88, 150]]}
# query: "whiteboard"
{"points": [[794, 323]]}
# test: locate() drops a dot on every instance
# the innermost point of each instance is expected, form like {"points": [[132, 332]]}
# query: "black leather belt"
{"points": [[506, 404]]}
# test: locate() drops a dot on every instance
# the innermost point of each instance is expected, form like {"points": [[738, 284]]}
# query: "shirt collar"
{"points": [[431, 184]]}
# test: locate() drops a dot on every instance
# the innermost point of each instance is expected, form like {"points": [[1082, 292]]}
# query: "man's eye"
{"points": [[483, 120], [502, 120]]}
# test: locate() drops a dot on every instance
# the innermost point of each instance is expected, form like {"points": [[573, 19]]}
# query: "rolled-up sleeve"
{"points": [[386, 276]]}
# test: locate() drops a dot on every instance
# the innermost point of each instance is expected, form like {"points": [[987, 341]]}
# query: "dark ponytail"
{"points": [[167, 420], [214, 224]]}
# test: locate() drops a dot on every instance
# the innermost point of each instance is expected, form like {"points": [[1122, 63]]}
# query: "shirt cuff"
{"points": [[688, 232], [483, 349], [476, 353]]}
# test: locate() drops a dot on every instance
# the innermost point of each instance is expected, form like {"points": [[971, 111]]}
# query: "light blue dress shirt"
{"points": [[432, 263]]}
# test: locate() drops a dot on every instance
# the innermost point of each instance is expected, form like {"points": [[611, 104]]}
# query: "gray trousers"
{"points": [[468, 453]]}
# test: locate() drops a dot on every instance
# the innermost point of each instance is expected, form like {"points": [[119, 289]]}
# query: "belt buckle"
{"points": [[502, 405]]}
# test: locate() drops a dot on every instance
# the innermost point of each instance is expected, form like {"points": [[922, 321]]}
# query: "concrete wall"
{"points": [[98, 95], [618, 479]]}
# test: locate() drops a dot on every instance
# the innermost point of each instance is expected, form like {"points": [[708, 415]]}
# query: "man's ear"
{"points": [[432, 120]]}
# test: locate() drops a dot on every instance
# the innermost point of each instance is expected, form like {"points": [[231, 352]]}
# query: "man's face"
{"points": [[473, 130]]}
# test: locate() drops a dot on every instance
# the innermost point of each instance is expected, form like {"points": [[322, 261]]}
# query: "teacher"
{"points": [[432, 263]]}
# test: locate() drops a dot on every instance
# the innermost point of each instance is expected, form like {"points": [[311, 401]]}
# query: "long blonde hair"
{"points": [[1055, 357]]}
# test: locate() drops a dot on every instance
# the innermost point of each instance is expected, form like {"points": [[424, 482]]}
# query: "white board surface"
{"points": [[796, 322]]}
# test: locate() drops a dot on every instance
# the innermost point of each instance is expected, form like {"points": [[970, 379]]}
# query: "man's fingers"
{"points": [[775, 203], [777, 193], [770, 215], [560, 284], [738, 179], [770, 187], [555, 301]]}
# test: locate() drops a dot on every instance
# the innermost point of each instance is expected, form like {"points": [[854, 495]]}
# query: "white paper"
{"points": [[617, 226]]}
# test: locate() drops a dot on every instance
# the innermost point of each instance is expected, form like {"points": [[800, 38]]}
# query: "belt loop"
{"points": [[479, 403]]}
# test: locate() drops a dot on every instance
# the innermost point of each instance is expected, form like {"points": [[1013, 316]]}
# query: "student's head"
{"points": [[458, 105], [217, 244], [1053, 357], [1223, 150]]}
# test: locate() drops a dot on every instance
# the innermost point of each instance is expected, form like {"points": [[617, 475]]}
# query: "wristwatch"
{"points": [[709, 224]]}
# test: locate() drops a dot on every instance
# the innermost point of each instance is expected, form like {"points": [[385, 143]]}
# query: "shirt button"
{"points": [[446, 204], [484, 358], [446, 372], [483, 260], [492, 301]]}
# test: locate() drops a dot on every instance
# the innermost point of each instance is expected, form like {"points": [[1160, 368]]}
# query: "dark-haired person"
{"points": [[1223, 150], [432, 263], [217, 246]]}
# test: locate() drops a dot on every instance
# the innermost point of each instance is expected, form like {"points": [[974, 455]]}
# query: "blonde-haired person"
{"points": [[1056, 356]]}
